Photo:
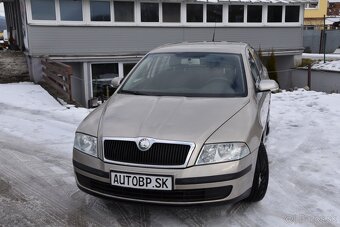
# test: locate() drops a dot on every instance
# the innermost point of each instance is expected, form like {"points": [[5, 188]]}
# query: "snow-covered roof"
{"points": [[253, 1], [331, 20], [263, 1]]}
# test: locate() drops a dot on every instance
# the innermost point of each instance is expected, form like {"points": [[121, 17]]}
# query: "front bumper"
{"points": [[230, 181]]}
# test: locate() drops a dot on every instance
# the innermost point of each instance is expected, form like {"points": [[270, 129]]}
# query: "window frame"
{"points": [[120, 71], [42, 22], [307, 6], [283, 14], [121, 64], [66, 22], [285, 10], [125, 23], [262, 16], [29, 11], [100, 22], [160, 13], [180, 13], [244, 14], [204, 13], [91, 73], [137, 16]]}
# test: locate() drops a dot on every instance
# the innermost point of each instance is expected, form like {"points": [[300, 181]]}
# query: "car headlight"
{"points": [[86, 144], [222, 152]]}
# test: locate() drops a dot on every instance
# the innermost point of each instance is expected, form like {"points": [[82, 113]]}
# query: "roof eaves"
{"points": [[262, 1]]}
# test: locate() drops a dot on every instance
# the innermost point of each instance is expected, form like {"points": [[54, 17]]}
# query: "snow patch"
{"points": [[328, 65], [320, 56], [28, 111]]}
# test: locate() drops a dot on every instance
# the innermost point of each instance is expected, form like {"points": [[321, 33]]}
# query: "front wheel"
{"points": [[261, 176]]}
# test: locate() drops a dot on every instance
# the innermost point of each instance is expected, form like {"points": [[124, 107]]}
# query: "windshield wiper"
{"points": [[133, 92]]}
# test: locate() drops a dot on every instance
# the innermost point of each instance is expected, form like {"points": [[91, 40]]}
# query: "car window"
{"points": [[257, 60], [188, 74], [253, 67]]}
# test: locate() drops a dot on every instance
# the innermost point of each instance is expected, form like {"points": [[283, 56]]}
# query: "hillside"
{"points": [[2, 23]]}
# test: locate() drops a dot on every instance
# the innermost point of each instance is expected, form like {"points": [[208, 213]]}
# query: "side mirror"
{"points": [[115, 82], [267, 85]]}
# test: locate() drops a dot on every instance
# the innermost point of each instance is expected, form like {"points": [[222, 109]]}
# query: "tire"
{"points": [[261, 176]]}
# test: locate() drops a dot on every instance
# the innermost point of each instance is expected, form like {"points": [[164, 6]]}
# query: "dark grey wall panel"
{"points": [[332, 40], [325, 81], [66, 40], [311, 39]]}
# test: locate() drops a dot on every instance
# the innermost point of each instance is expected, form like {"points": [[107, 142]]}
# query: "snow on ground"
{"points": [[320, 56], [304, 152], [28, 111], [328, 65], [37, 186], [332, 61]]}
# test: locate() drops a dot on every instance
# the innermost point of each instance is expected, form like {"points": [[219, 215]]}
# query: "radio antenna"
{"points": [[213, 38]]}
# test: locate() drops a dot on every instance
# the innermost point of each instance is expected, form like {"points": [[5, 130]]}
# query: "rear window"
{"points": [[188, 74]]}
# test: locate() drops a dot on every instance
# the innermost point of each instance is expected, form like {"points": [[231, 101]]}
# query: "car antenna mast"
{"points": [[213, 38]]}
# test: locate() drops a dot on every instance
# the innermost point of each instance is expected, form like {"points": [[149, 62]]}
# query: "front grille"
{"points": [[158, 154], [192, 195]]}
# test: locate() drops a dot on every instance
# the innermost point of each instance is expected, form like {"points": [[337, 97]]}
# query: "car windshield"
{"points": [[188, 74]]}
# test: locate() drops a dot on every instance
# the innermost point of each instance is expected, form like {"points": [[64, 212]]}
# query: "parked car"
{"points": [[186, 126]]}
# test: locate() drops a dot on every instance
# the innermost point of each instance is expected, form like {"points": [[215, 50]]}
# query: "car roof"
{"points": [[214, 47]]}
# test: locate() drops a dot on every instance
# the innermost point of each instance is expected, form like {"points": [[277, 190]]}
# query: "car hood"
{"points": [[168, 118]]}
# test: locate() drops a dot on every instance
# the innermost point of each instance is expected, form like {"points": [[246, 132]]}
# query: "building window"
{"points": [[236, 13], [124, 11], [312, 5], [149, 12], [171, 12], [100, 10], [274, 14], [43, 9], [292, 14], [194, 13], [102, 74], [214, 13], [71, 10], [127, 67], [254, 14]]}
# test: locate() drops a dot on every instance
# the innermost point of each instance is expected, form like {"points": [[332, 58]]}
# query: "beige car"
{"points": [[186, 126]]}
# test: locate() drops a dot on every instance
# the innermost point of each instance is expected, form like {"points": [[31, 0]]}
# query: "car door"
{"points": [[263, 98]]}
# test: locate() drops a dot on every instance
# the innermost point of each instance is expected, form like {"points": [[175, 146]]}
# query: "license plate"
{"points": [[141, 181]]}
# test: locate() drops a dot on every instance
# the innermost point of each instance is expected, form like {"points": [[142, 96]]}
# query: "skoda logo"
{"points": [[144, 144]]}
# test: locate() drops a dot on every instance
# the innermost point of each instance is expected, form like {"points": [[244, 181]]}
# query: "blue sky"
{"points": [[2, 11]]}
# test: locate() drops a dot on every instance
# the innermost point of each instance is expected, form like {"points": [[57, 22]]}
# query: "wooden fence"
{"points": [[58, 75]]}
